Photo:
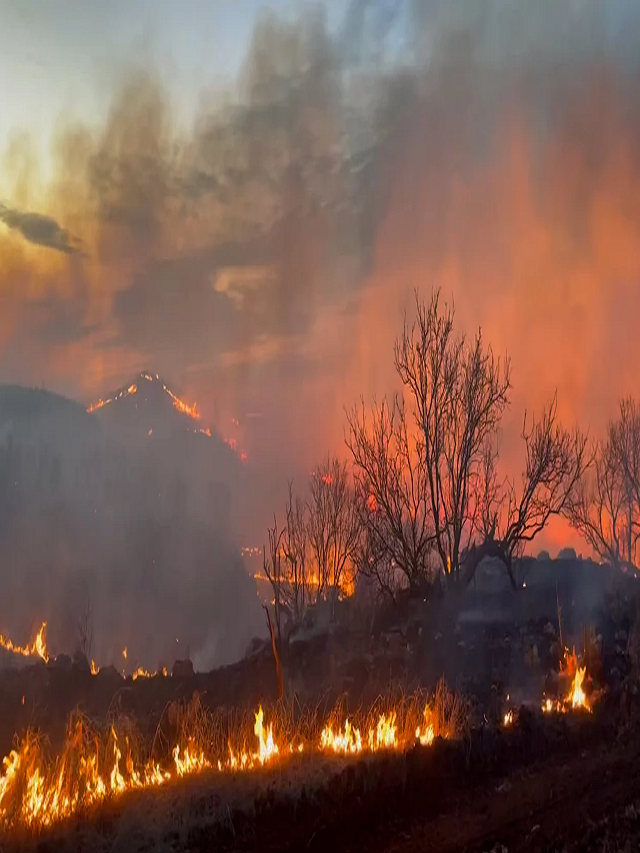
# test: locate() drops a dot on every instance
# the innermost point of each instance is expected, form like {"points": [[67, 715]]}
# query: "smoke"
{"points": [[263, 257]]}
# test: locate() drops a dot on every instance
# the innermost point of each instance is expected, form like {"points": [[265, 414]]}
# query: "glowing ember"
{"points": [[508, 718], [37, 647], [124, 653]]}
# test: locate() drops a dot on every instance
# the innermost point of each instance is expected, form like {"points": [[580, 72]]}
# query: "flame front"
{"points": [[37, 647], [35, 793]]}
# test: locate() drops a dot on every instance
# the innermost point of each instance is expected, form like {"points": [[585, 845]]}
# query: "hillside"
{"points": [[95, 511]]}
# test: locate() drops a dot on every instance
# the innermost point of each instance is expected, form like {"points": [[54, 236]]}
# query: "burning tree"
{"points": [[392, 496], [436, 494], [606, 506]]}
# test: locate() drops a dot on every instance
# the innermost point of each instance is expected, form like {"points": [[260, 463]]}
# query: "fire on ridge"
{"points": [[190, 410]]}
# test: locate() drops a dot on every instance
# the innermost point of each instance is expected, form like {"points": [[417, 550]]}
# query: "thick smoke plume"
{"points": [[264, 257]]}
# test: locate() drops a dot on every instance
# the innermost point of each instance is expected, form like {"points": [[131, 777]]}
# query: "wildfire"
{"points": [[99, 404], [141, 672], [426, 734], [37, 647], [576, 697], [181, 406], [36, 794], [346, 741]]}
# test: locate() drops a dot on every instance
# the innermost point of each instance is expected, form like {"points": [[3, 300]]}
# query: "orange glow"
{"points": [[37, 647], [132, 389], [36, 794], [181, 406]]}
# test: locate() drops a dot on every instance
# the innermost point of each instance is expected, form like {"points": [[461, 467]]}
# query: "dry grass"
{"points": [[92, 750]]}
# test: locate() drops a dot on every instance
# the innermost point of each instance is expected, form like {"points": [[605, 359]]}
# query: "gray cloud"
{"points": [[40, 229]]}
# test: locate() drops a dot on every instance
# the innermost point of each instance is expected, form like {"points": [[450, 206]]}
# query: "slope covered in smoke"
{"points": [[137, 530]]}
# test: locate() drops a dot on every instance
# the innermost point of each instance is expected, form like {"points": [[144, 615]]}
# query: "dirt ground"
{"points": [[589, 801]]}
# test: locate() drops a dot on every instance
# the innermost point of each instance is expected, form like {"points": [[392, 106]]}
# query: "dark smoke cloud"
{"points": [[39, 229], [264, 257]]}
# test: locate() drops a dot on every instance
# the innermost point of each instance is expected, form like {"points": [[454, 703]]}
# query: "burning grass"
{"points": [[38, 789]]}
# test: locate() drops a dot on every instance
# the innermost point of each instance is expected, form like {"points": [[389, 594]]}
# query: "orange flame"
{"points": [[35, 794], [183, 407], [37, 647]]}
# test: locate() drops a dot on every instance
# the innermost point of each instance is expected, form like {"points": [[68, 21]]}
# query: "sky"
{"points": [[244, 198], [65, 58]]}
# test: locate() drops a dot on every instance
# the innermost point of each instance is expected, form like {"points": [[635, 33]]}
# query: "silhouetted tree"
{"points": [[333, 525], [392, 495], [606, 506]]}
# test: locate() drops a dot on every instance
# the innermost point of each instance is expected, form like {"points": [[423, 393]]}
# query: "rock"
{"points": [[61, 662], [255, 647], [182, 669], [109, 673], [552, 683], [80, 663]]}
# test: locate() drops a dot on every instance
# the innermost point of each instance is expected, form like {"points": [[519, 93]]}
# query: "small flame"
{"points": [[426, 734], [578, 697], [37, 647]]}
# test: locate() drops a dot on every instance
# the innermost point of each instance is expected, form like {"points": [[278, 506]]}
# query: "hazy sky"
{"points": [[65, 57], [245, 202]]}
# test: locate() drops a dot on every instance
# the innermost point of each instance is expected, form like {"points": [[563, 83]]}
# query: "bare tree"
{"points": [[392, 495], [295, 548], [459, 391], [333, 525], [510, 518], [272, 567], [606, 506], [85, 629]]}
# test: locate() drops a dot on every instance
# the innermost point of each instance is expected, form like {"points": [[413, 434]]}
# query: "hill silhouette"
{"points": [[127, 506]]}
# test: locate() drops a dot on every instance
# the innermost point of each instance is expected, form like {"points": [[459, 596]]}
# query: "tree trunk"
{"points": [[276, 656]]}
